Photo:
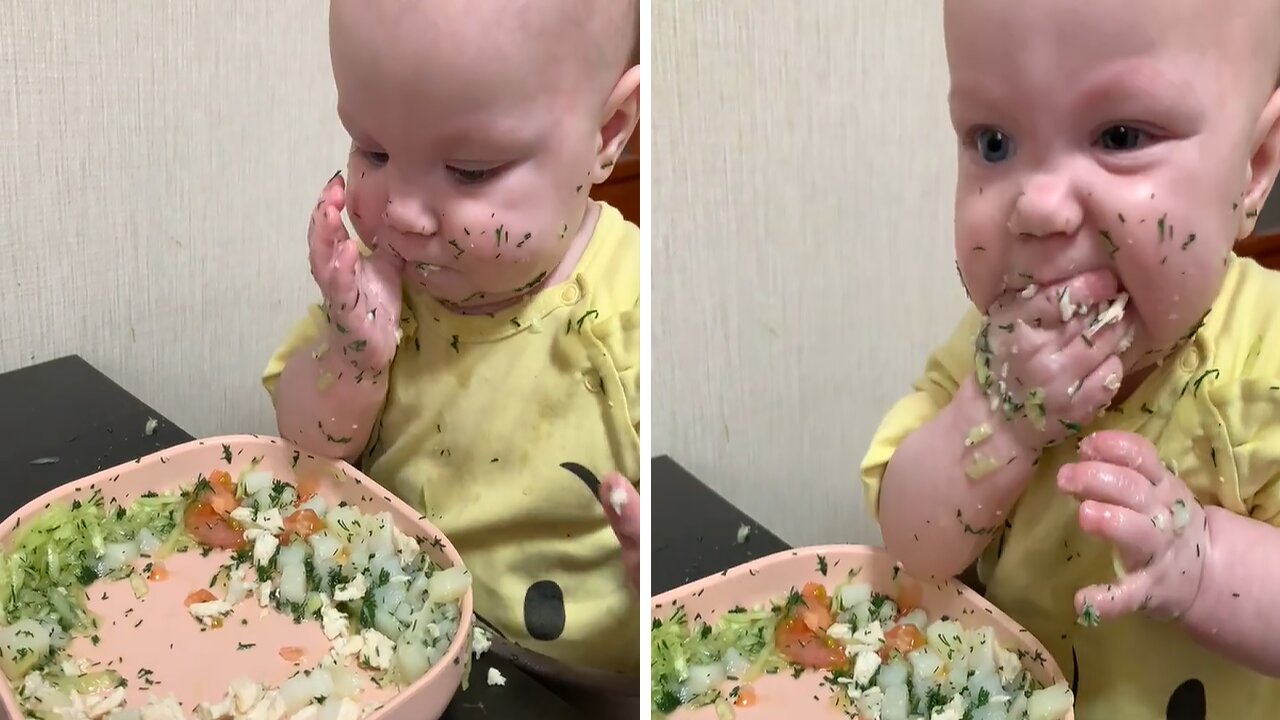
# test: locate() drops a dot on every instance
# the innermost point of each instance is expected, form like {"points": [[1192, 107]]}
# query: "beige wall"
{"points": [[802, 267], [158, 164]]}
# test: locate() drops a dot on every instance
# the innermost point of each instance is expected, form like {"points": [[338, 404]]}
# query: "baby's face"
{"points": [[1099, 136], [471, 146]]}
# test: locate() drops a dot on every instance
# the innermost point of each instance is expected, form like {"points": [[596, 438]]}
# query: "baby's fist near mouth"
{"points": [[1049, 357], [1152, 519]]}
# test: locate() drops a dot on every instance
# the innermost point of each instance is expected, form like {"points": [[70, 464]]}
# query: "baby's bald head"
{"points": [[560, 44]]}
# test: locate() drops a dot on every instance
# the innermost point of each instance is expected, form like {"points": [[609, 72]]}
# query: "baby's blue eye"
{"points": [[993, 145], [1121, 138], [470, 176]]}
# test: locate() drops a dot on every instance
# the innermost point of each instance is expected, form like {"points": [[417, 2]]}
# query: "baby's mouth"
{"points": [[427, 268]]}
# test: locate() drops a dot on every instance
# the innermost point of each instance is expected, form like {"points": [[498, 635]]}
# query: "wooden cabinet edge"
{"points": [[1263, 248]]}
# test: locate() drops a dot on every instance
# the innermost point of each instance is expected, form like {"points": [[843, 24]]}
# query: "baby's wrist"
{"points": [[990, 439], [340, 362]]}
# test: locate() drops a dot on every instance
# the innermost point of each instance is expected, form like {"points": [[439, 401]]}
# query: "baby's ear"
{"points": [[621, 114], [1263, 165]]}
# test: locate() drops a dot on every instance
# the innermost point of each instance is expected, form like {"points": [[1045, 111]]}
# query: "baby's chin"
{"points": [[457, 292]]}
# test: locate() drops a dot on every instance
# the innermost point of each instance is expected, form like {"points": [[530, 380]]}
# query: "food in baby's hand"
{"points": [[883, 658], [389, 611]]}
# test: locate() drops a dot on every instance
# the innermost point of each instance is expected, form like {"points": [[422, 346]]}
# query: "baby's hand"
{"points": [[1050, 366], [361, 294], [1158, 528], [622, 506]]}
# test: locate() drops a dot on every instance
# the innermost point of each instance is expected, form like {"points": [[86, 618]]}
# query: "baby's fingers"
{"points": [[1100, 603], [1091, 395], [325, 235], [1135, 536], [340, 289], [621, 503]]}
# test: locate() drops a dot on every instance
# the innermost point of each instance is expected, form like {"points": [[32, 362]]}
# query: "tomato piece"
{"points": [[746, 697], [221, 493], [291, 653], [308, 487], [158, 572], [303, 523], [801, 645], [209, 527], [816, 612], [221, 480], [199, 596], [910, 595], [902, 639]]}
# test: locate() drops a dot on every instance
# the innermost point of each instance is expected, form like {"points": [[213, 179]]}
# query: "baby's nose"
{"points": [[410, 215], [1046, 207]]}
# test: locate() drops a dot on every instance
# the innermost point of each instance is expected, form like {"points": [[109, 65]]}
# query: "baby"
{"points": [[476, 347], [1102, 432]]}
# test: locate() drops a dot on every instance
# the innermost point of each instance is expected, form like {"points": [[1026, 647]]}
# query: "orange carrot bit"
{"points": [[158, 572], [200, 596], [291, 653]]}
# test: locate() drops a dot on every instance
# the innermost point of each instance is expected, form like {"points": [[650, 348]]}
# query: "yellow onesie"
{"points": [[1213, 408], [491, 425]]}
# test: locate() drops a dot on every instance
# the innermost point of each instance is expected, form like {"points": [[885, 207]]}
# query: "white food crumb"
{"points": [[869, 637], [207, 612], [1009, 664], [495, 677], [1065, 308], [150, 428], [264, 545], [1028, 291], [953, 710], [840, 631], [406, 547], [865, 666], [1181, 515], [348, 710], [334, 622], [1112, 382], [351, 591], [1159, 520], [480, 642], [1125, 342], [166, 709], [310, 712], [743, 532], [346, 646], [270, 521], [264, 596], [868, 702], [1111, 313], [377, 649], [617, 500]]}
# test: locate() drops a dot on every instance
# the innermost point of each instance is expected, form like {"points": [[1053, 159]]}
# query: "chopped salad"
{"points": [[389, 611], [882, 657]]}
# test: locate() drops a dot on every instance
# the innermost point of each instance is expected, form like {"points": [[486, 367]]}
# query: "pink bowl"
{"points": [[158, 647], [772, 577]]}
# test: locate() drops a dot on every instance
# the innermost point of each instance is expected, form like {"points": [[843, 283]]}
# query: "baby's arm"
{"points": [[1237, 610], [324, 406], [935, 519], [1044, 368], [329, 393]]}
